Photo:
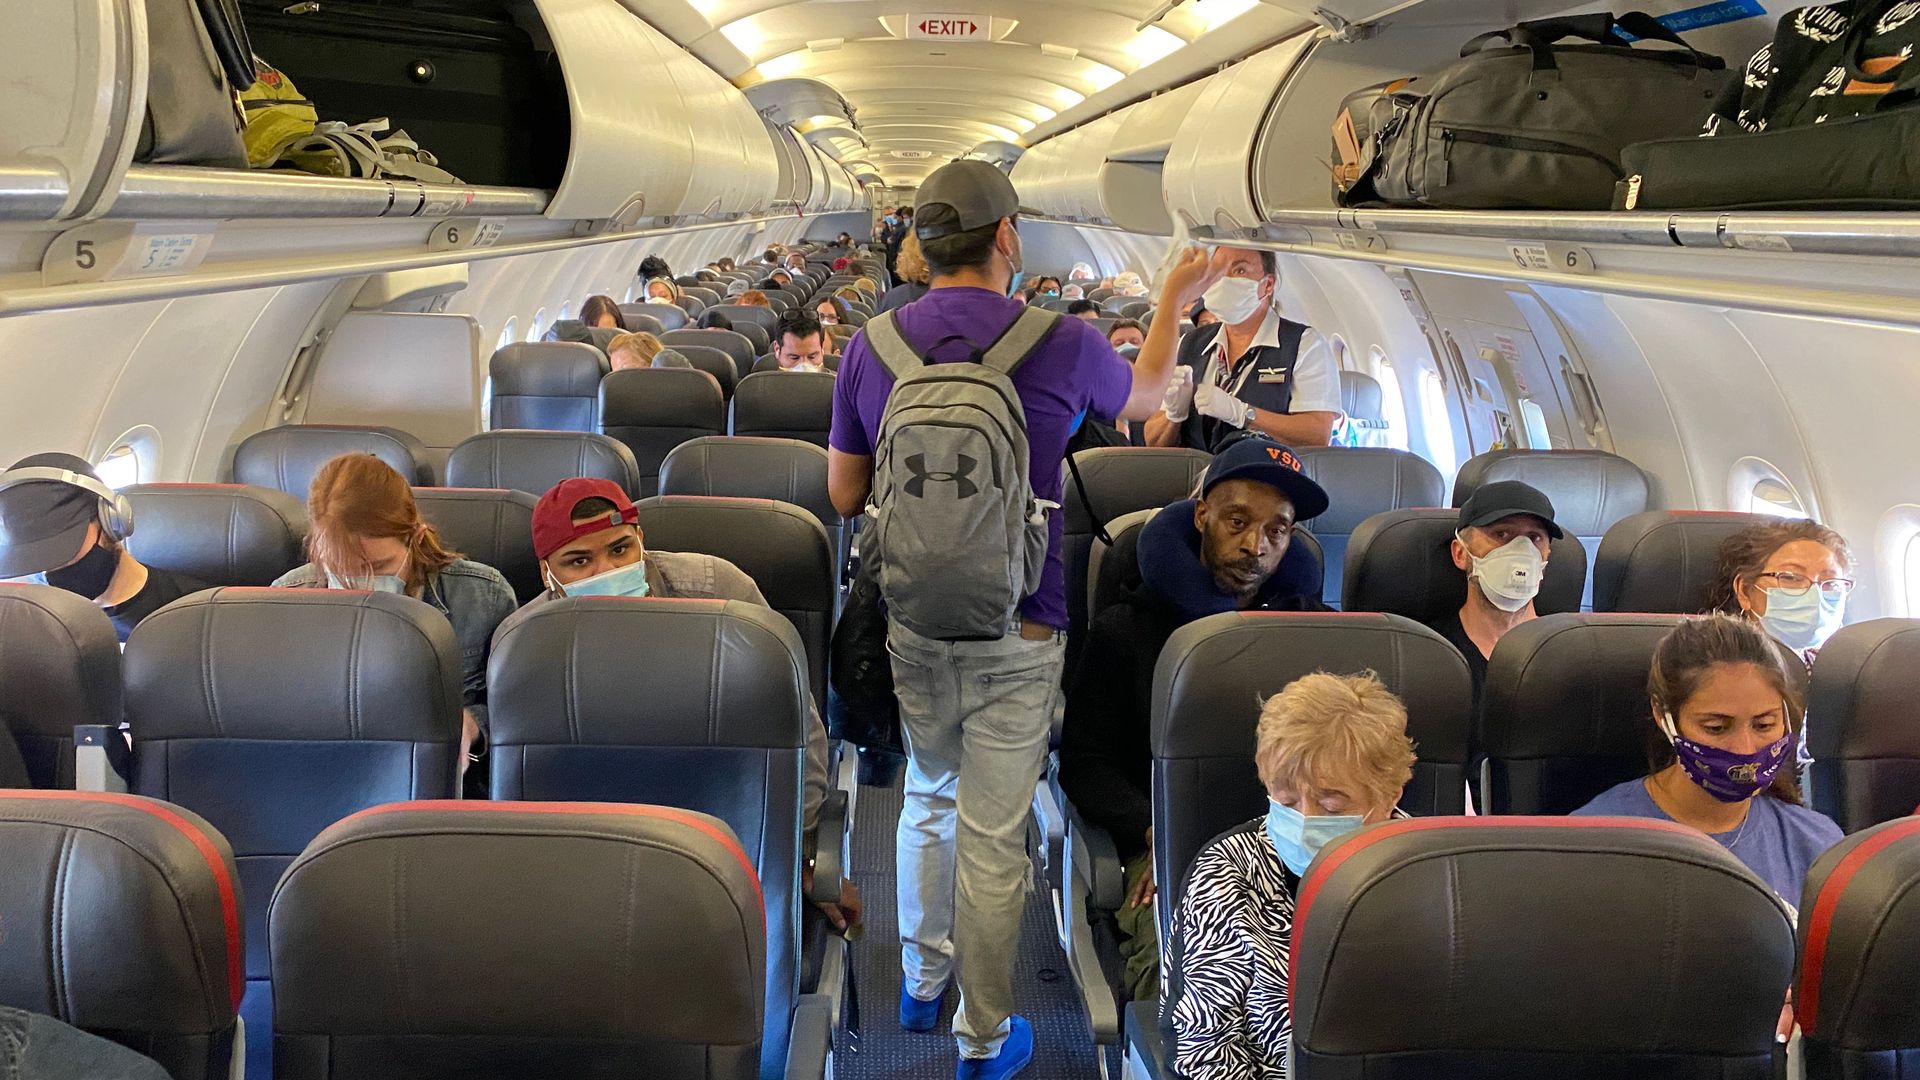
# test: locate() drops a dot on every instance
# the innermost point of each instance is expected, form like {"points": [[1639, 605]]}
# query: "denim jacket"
{"points": [[473, 597]]}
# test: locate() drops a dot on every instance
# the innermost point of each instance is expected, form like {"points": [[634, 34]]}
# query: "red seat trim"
{"points": [[1825, 903]]}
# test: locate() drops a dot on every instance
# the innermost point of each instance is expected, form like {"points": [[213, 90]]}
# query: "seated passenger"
{"points": [[725, 265], [1333, 753], [802, 345], [1048, 286], [603, 312], [914, 276], [796, 264], [833, 312], [1221, 552], [630, 351], [60, 530], [754, 298], [42, 1048], [673, 358], [777, 280], [1259, 370], [1127, 332], [1199, 316], [1501, 542], [771, 256], [653, 266], [367, 533], [844, 241], [1129, 283], [588, 543], [1081, 272], [716, 320], [662, 291], [1793, 576], [1073, 292], [1725, 718], [1086, 309]]}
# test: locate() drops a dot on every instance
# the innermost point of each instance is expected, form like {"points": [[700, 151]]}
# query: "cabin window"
{"points": [[1536, 425], [628, 298], [566, 310], [1392, 403], [509, 333], [539, 325], [1436, 424], [133, 458], [1757, 487]]}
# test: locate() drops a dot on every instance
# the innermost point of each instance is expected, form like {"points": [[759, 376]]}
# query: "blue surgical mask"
{"points": [[628, 580], [1298, 838], [1805, 621], [377, 583]]}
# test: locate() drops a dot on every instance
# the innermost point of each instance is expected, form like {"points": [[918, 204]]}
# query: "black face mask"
{"points": [[90, 576]]}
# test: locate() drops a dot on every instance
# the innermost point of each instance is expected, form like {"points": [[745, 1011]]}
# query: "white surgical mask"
{"points": [[628, 580], [1233, 299], [1509, 574], [377, 583], [1805, 621]]}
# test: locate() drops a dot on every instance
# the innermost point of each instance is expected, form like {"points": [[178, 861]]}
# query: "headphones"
{"points": [[116, 513]]}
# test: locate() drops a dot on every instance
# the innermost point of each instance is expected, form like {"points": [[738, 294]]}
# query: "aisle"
{"points": [[1044, 990]]}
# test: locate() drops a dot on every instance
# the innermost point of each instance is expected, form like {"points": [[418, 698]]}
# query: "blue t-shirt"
{"points": [[1072, 372], [1778, 841]]}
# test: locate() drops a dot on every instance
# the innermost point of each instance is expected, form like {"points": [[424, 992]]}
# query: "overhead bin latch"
{"points": [[1344, 29]]}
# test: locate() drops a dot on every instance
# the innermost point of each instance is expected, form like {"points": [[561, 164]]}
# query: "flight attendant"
{"points": [[1255, 369]]}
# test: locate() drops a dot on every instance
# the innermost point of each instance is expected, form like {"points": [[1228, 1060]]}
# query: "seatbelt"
{"points": [[1099, 523]]}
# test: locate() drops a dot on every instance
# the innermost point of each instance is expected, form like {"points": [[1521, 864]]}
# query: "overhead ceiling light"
{"points": [[1103, 76], [1066, 97], [1214, 14], [1059, 52], [784, 66], [1153, 44], [743, 35], [825, 44]]}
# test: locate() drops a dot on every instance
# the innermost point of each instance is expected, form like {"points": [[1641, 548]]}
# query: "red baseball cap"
{"points": [[553, 526]]}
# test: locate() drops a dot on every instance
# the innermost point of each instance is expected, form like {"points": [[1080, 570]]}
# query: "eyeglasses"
{"points": [[1797, 584]]}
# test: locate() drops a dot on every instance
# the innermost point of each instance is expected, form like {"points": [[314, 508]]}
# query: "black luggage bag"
{"points": [[1535, 124]]}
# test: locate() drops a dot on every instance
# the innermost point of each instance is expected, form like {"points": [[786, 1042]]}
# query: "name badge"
{"points": [[1272, 375]]}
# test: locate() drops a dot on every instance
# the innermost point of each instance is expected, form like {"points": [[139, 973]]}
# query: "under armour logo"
{"points": [[917, 486]]}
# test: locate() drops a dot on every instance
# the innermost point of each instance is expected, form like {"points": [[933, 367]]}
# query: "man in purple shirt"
{"points": [[989, 703]]}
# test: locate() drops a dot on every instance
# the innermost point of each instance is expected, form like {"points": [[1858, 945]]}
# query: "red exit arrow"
{"points": [[947, 27]]}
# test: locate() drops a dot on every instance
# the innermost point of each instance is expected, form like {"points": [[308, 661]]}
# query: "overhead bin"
{"points": [[1208, 176], [790, 185], [1131, 181], [1054, 177]]}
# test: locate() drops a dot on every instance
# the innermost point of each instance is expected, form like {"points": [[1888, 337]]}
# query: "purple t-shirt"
{"points": [[1072, 373]]}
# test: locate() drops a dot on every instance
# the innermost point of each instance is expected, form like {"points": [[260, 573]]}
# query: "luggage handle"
{"points": [[1599, 28]]}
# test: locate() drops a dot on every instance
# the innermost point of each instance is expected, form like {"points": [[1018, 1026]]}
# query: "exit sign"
{"points": [[948, 27]]}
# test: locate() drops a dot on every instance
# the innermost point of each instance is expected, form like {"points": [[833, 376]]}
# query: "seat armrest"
{"points": [[810, 1045], [830, 848], [1097, 861], [1145, 1053], [102, 761]]}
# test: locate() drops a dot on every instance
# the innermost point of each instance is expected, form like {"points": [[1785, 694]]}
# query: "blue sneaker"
{"points": [[1015, 1054], [917, 1015]]}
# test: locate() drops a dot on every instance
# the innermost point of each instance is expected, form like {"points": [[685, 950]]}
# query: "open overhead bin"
{"points": [[792, 187], [1131, 181], [1208, 176]]}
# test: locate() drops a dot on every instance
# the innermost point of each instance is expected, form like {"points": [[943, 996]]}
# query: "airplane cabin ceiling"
{"points": [[921, 102]]}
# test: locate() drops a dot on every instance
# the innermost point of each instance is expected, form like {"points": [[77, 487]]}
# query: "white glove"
{"points": [[1179, 394], [1217, 403]]}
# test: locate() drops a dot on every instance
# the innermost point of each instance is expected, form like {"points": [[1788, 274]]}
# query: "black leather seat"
{"points": [[1859, 932], [771, 362], [1591, 490], [286, 458], [785, 405], [714, 362], [123, 920], [1663, 560], [1362, 482], [546, 386], [1860, 727], [1208, 686], [644, 318], [1363, 402], [488, 525], [1110, 566], [753, 322], [782, 547], [429, 941], [222, 534], [534, 461], [739, 467], [653, 410], [734, 345], [590, 699], [304, 706], [59, 667], [1502, 949], [1565, 714], [1401, 562]]}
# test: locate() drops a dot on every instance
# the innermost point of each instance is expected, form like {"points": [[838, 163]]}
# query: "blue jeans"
{"points": [[975, 716], [34, 1047]]}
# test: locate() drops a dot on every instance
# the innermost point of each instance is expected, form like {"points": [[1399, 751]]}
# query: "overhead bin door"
{"points": [[1131, 181], [1208, 174]]}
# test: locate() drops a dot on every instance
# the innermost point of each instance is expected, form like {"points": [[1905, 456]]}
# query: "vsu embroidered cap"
{"points": [[1254, 456], [553, 526]]}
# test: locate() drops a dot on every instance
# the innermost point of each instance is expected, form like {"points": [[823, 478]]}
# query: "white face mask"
{"points": [[1234, 299], [1509, 574]]}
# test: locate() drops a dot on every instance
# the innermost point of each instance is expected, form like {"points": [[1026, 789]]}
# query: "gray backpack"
{"points": [[954, 536]]}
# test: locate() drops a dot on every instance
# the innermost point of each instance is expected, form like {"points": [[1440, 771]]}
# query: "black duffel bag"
{"points": [[1827, 116], [1535, 124]]}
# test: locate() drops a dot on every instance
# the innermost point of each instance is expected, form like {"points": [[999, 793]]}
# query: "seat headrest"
{"points": [[1865, 745], [616, 671], [286, 458], [1859, 931], [1482, 946], [295, 664], [534, 461], [731, 342], [781, 401], [1591, 490], [1663, 560], [831, 362], [1362, 481], [647, 924], [59, 663], [747, 467], [546, 369], [222, 534], [1122, 479], [764, 317], [1401, 562], [642, 319], [1360, 396], [123, 914], [662, 397], [492, 526], [782, 547]]}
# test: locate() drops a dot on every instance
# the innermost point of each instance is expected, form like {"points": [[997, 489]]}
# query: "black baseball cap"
{"points": [[43, 523], [1503, 499], [963, 195], [1253, 456]]}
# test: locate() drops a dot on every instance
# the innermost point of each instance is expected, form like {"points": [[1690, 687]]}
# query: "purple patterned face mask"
{"points": [[1726, 775]]}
